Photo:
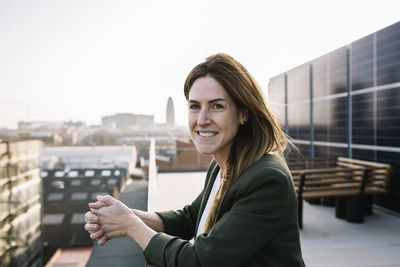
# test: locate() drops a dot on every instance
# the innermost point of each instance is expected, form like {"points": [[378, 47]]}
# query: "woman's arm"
{"points": [[112, 219], [150, 219]]}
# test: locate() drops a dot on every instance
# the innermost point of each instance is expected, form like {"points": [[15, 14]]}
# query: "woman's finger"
{"points": [[102, 240], [97, 205], [90, 217], [92, 227], [97, 235], [109, 200]]}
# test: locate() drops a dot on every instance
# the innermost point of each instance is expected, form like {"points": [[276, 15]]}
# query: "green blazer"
{"points": [[256, 226]]}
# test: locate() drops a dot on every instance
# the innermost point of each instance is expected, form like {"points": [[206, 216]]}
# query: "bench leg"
{"points": [[328, 201], [355, 209], [368, 201], [340, 204], [314, 201], [300, 212]]}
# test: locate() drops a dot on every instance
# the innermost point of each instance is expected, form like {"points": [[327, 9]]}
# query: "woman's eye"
{"points": [[194, 107], [218, 106]]}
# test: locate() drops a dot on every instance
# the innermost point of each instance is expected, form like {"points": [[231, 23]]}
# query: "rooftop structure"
{"points": [[90, 157], [66, 194], [347, 103]]}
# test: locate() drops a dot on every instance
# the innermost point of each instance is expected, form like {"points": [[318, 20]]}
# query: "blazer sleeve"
{"points": [[259, 210], [182, 222]]}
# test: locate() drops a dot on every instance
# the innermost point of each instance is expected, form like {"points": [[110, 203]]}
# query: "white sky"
{"points": [[81, 59]]}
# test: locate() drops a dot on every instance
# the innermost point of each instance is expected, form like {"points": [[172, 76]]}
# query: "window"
{"points": [[75, 182], [89, 173], [53, 219], [105, 173], [112, 182], [57, 184], [95, 182], [79, 196], [55, 196], [59, 174], [73, 174], [78, 218]]}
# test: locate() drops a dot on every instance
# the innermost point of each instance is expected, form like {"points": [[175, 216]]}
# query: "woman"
{"points": [[246, 214]]}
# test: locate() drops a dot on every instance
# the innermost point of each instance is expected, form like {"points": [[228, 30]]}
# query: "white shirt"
{"points": [[206, 211]]}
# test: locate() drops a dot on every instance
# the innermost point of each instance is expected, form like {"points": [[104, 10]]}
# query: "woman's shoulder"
{"points": [[269, 175], [271, 162], [269, 168]]}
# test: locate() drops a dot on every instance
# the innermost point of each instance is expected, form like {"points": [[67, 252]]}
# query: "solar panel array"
{"points": [[347, 103]]}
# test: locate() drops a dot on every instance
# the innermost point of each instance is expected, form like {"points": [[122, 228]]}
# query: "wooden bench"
{"points": [[326, 182], [379, 174], [349, 177]]}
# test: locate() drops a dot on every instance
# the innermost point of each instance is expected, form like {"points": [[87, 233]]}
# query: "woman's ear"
{"points": [[244, 115]]}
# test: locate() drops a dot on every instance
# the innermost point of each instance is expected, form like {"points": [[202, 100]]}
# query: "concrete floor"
{"points": [[327, 241]]}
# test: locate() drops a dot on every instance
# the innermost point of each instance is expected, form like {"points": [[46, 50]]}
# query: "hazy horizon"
{"points": [[82, 60]]}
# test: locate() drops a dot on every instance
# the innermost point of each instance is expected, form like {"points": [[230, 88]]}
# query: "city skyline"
{"points": [[79, 61], [169, 120]]}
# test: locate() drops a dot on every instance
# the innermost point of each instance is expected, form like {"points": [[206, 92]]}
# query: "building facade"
{"points": [[20, 203], [347, 103]]}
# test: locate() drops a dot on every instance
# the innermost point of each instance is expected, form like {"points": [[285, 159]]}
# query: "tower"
{"points": [[170, 113]]}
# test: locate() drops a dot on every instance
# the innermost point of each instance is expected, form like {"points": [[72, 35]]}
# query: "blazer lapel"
{"points": [[207, 192]]}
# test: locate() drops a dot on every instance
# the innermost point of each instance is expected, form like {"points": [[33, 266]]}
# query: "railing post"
{"points": [[152, 200]]}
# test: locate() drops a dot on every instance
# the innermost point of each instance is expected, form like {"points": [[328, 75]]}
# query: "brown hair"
{"points": [[260, 135]]}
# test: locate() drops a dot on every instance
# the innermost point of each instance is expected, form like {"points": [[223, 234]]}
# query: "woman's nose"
{"points": [[204, 117]]}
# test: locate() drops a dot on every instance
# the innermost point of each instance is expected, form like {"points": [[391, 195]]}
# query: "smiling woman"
{"points": [[213, 117], [246, 214]]}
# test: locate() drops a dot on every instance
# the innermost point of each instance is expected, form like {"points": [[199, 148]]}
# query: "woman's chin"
{"points": [[205, 152]]}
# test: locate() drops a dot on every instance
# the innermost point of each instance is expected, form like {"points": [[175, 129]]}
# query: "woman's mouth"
{"points": [[206, 134]]}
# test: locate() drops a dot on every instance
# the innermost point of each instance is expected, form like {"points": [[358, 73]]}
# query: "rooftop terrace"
{"points": [[326, 241]]}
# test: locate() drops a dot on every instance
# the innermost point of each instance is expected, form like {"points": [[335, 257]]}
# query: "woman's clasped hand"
{"points": [[109, 218]]}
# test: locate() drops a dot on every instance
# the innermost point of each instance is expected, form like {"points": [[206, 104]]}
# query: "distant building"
{"points": [[170, 113], [185, 157], [347, 103], [34, 125], [126, 121], [119, 121], [52, 133], [21, 204], [145, 121], [75, 124], [164, 145]]}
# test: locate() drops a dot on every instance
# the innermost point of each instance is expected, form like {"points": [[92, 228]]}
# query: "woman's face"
{"points": [[214, 119]]}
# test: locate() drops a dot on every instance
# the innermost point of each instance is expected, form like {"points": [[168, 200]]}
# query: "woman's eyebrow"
{"points": [[211, 101]]}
